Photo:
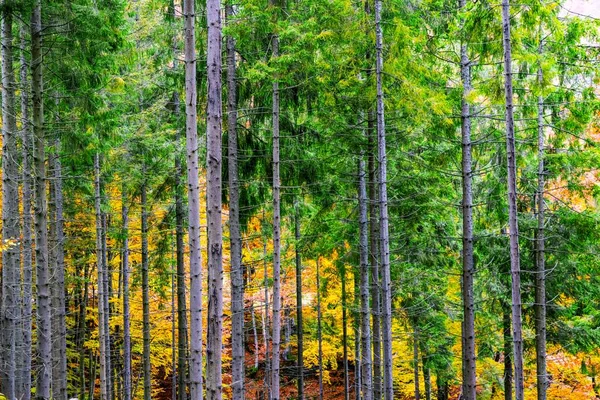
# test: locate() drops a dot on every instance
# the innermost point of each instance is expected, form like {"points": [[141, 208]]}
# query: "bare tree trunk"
{"points": [[468, 266], [193, 203], [126, 317], [25, 389], [357, 384], [427, 379], [276, 338], [10, 311], [173, 340], [345, 334], [214, 340], [59, 391], [255, 334], [319, 330], [44, 319], [367, 373], [508, 375], [386, 283], [107, 282], [540, 276], [145, 291], [416, 360], [299, 323], [266, 316], [100, 267], [512, 205], [235, 237]]}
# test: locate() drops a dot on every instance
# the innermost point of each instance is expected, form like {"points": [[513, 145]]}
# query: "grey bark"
{"points": [[27, 139], [427, 379], [196, 391], [468, 265], [386, 284], [102, 334], [266, 317], [512, 205], [10, 311], [540, 276], [356, 322], [44, 314], [126, 313], [255, 335], [276, 337], [147, 370], [299, 319], [367, 373], [59, 388], [319, 330], [235, 237], [214, 342], [416, 360], [345, 334], [508, 375]]}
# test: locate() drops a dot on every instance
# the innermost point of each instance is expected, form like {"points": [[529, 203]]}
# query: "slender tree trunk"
{"points": [[59, 391], [126, 311], [235, 237], [145, 291], [100, 267], [11, 262], [213, 207], [367, 373], [356, 328], [266, 317], [299, 319], [107, 282], [82, 331], [319, 330], [386, 283], [427, 379], [508, 374], [345, 334], [193, 203], [173, 335], [468, 265], [255, 335], [44, 322], [25, 390], [276, 338], [540, 276], [416, 360], [512, 205]]}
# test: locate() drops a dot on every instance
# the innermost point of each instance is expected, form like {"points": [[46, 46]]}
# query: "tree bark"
{"points": [[367, 373], [27, 139], [147, 370], [319, 330], [345, 334], [299, 320], [386, 295], [540, 276], [235, 237], [416, 360], [44, 322], [126, 313], [508, 375], [11, 309], [276, 337], [213, 208], [196, 391], [468, 265], [512, 205], [100, 268]]}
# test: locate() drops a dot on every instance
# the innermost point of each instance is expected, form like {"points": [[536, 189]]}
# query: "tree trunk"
{"points": [[44, 322], [427, 379], [107, 282], [276, 338], [319, 330], [11, 263], [367, 382], [196, 391], [512, 205], [345, 334], [299, 320], [255, 335], [25, 389], [213, 208], [386, 283], [147, 370], [468, 265], [59, 389], [508, 375], [266, 316], [540, 276], [416, 360], [235, 237], [356, 328], [100, 267], [126, 313]]}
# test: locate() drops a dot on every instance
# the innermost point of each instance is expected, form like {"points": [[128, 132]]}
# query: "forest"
{"points": [[300, 199]]}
